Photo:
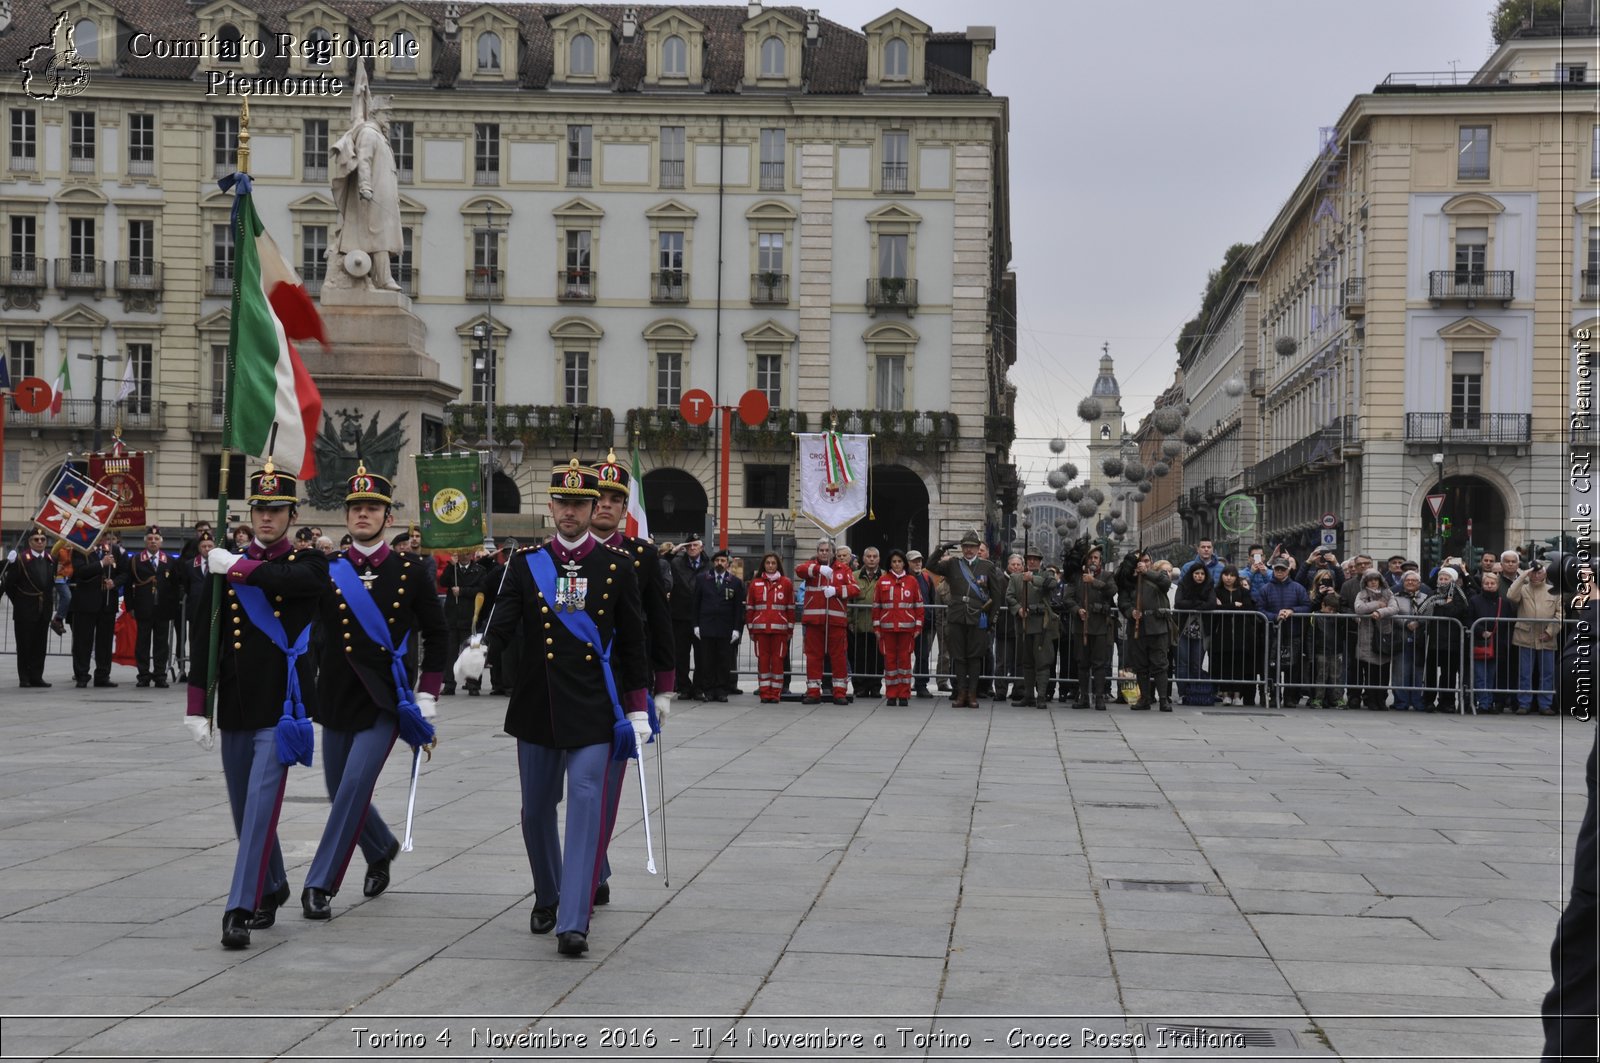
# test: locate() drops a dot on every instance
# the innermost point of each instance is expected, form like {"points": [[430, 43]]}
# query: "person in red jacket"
{"points": [[769, 617], [828, 586], [897, 618]]}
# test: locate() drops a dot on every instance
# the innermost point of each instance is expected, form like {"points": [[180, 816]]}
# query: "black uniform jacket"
{"points": [[560, 699], [719, 611], [88, 592], [252, 679], [155, 590], [469, 578], [356, 680], [647, 569], [30, 584]]}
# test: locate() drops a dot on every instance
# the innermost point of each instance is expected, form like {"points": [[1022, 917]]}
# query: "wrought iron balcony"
{"points": [[772, 177], [313, 274], [533, 426], [1591, 286], [22, 271], [409, 276], [205, 416], [580, 173], [671, 173], [896, 177], [892, 293], [24, 164], [80, 275], [487, 175], [1469, 286], [219, 279], [1469, 427], [576, 285], [1354, 293], [78, 414], [1216, 488], [1317, 451], [769, 289], [138, 275], [669, 286], [484, 282]]}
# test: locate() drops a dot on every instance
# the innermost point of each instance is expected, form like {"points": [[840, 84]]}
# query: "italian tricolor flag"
{"points": [[63, 384], [636, 524], [268, 384]]}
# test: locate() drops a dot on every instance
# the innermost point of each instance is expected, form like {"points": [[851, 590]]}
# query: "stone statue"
{"points": [[366, 192]]}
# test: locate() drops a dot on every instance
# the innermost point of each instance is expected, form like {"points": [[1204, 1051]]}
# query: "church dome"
{"points": [[1105, 385]]}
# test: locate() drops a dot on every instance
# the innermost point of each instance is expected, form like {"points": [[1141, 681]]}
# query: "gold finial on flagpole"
{"points": [[244, 135]]}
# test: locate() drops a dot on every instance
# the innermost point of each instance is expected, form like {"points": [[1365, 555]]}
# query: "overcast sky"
{"points": [[1146, 137]]}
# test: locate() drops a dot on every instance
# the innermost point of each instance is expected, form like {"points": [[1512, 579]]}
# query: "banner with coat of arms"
{"points": [[451, 489], [121, 475], [833, 479]]}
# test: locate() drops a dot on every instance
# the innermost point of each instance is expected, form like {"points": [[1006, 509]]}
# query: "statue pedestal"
{"points": [[377, 382]]}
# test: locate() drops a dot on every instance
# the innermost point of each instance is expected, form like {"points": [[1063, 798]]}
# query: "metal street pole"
{"points": [[99, 361], [485, 334]]}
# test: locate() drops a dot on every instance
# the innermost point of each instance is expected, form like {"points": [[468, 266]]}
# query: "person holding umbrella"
{"points": [[260, 666]]}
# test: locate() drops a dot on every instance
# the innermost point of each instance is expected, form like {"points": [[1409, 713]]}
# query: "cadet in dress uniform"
{"points": [[30, 582], [252, 686], [359, 696], [578, 602], [154, 595]]}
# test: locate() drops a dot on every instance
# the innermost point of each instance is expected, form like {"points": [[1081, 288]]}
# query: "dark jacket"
{"points": [[719, 608], [252, 678], [155, 587], [30, 584], [356, 682], [560, 698], [468, 578], [1278, 595], [969, 604], [1191, 598], [88, 573], [653, 577], [1097, 597], [1148, 594], [684, 574]]}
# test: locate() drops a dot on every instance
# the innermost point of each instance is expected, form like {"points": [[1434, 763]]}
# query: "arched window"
{"points": [[86, 39], [674, 57], [1105, 432], [229, 46], [319, 47], [405, 45], [897, 59], [580, 59], [773, 57], [488, 51]]}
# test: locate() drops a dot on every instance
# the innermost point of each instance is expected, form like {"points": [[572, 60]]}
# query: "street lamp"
{"points": [[483, 332]]}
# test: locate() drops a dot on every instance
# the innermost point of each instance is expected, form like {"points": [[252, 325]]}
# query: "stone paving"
{"points": [[961, 883]]}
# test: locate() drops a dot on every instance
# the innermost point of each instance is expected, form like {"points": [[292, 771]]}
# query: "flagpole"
{"points": [[227, 425]]}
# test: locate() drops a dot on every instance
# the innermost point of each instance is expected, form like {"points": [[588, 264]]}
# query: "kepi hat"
{"points": [[270, 489], [367, 486], [574, 481], [611, 475]]}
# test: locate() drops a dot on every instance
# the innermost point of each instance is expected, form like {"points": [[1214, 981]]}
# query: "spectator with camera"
{"points": [[1535, 636]]}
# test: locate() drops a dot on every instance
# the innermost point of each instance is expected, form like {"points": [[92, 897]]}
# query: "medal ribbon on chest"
{"points": [[572, 590]]}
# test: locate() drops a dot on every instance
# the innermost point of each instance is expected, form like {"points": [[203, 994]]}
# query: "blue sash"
{"points": [[582, 626], [295, 738], [966, 572], [414, 729]]}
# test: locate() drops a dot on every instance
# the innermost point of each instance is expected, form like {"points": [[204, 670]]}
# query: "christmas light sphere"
{"points": [[1087, 508], [1069, 470], [1062, 494], [1233, 387], [1072, 524], [1134, 471], [1167, 420], [1090, 409], [1061, 526], [1146, 486], [1057, 445], [1285, 346], [1112, 466], [1095, 495], [1055, 479], [1119, 526], [1113, 513], [1074, 494], [1160, 469], [1172, 447], [1192, 435]]}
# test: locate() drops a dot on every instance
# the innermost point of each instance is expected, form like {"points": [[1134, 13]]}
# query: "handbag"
{"points": [[1191, 630], [1383, 639], [1484, 651]]}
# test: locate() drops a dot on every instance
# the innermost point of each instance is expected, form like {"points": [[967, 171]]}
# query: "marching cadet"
{"points": [[581, 707], [30, 581], [154, 595], [380, 604], [261, 665], [974, 585], [1028, 597], [829, 584], [97, 581]]}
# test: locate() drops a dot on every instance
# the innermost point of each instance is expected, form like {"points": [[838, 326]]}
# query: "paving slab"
{"points": [[1361, 874]]}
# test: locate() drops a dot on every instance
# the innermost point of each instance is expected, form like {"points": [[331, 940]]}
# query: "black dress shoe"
{"points": [[572, 943], [499, 692], [142, 684], [236, 928], [542, 920], [104, 683], [80, 683], [267, 914], [40, 683], [314, 903], [161, 684], [377, 879], [720, 697], [602, 893]]}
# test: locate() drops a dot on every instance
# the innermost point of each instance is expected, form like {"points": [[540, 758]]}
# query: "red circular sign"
{"points": [[32, 395], [696, 406], [753, 407]]}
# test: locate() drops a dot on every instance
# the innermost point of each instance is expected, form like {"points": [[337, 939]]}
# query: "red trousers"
{"points": [[830, 645], [770, 650], [897, 647]]}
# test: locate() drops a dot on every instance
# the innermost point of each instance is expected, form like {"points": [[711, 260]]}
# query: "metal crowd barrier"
{"points": [[1514, 678], [1315, 658]]}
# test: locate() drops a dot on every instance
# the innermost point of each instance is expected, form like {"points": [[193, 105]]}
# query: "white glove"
{"points": [[641, 728], [663, 706], [470, 664], [735, 636], [12, 556], [428, 705], [697, 631], [219, 561], [828, 591], [200, 731]]}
